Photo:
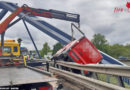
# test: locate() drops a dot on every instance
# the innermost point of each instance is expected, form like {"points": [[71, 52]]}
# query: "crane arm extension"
{"points": [[39, 12], [6, 22], [53, 14]]}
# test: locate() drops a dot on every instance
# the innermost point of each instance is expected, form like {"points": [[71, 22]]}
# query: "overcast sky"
{"points": [[97, 16]]}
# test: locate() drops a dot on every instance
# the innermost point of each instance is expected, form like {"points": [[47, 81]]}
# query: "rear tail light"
{"points": [[45, 88]]}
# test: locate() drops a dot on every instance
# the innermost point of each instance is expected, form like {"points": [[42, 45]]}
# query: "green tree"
{"points": [[116, 50], [100, 42], [56, 47], [127, 50], [45, 49]]}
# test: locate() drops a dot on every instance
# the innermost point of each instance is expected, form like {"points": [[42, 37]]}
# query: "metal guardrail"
{"points": [[88, 83], [121, 72], [116, 70], [40, 71], [42, 60]]}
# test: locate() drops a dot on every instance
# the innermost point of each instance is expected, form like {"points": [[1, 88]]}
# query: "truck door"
{"points": [[15, 51]]}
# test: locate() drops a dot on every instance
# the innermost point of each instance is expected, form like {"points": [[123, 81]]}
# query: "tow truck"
{"points": [[11, 48], [81, 51]]}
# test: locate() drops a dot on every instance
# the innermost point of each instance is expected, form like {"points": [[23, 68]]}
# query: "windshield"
{"points": [[7, 49]]}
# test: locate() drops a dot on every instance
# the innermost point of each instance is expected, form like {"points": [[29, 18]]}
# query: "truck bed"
{"points": [[21, 75]]}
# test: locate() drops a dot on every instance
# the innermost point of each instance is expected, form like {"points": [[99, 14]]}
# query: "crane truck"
{"points": [[81, 51]]}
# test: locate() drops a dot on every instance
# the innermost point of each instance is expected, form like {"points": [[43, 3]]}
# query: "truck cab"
{"points": [[11, 48]]}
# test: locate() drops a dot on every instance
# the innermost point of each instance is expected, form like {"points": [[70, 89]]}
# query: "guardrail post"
{"points": [[70, 70], [95, 75], [47, 66], [120, 81], [60, 67], [54, 63], [82, 73], [108, 79]]}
